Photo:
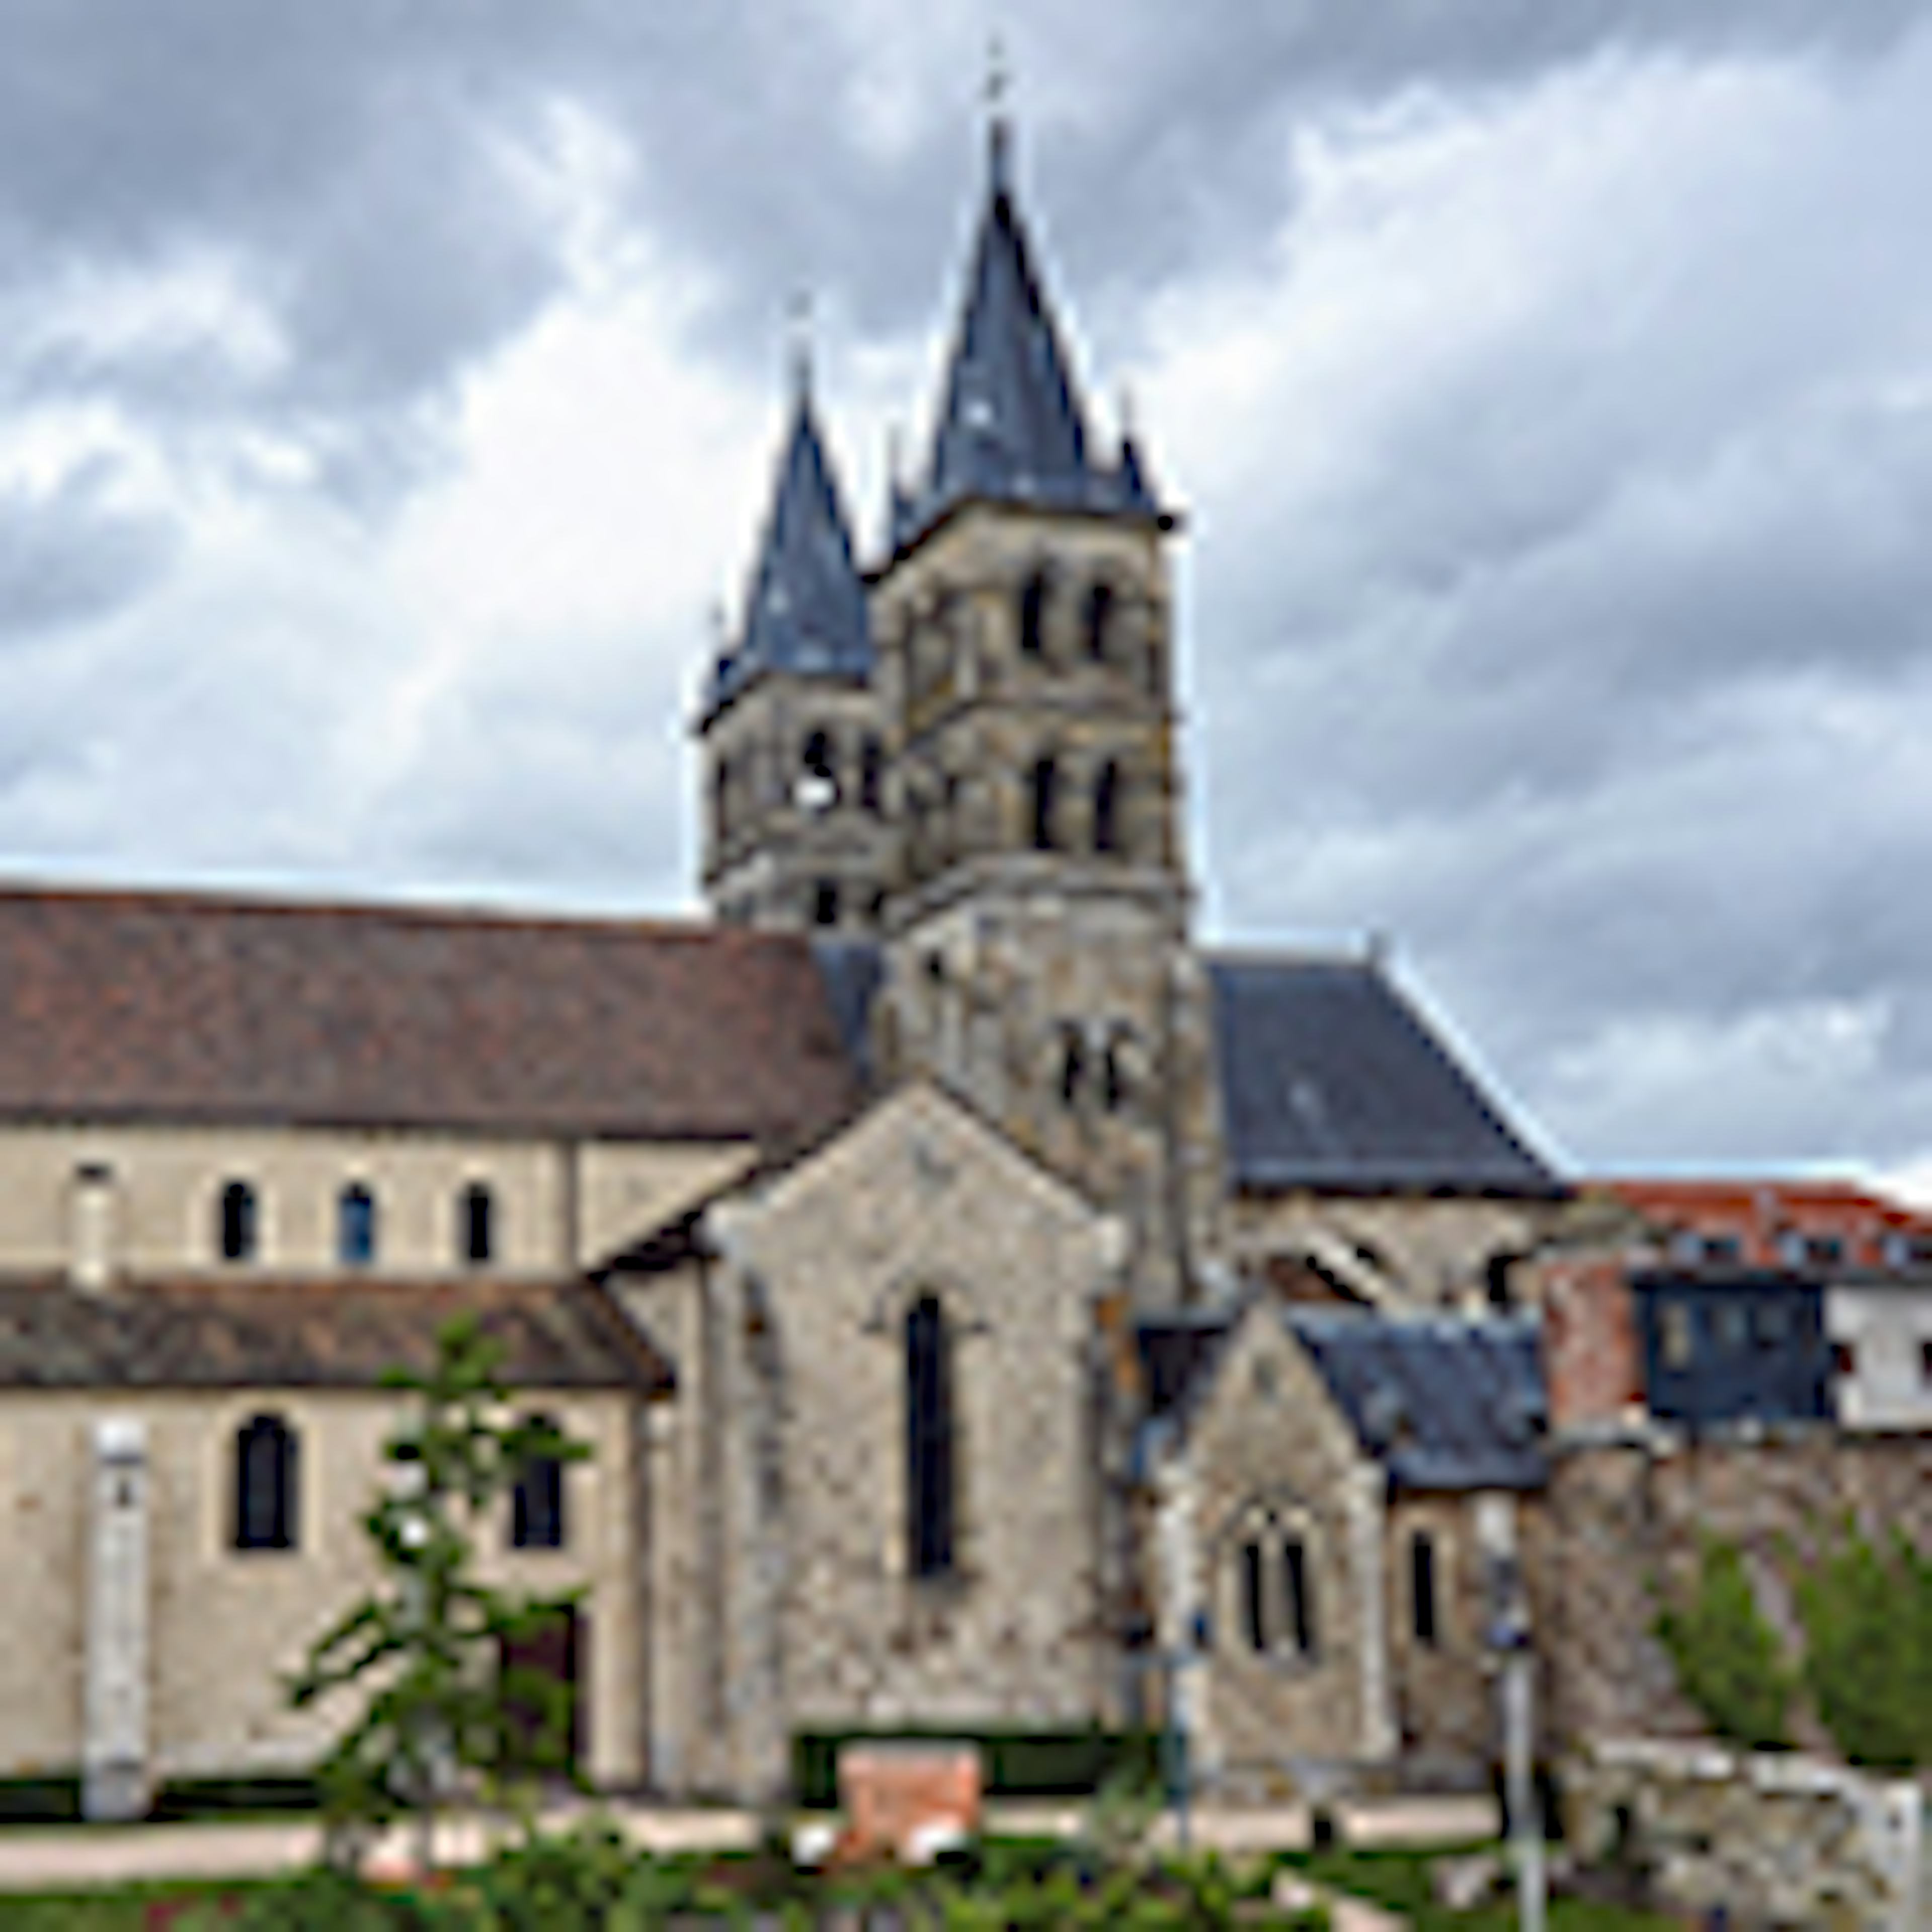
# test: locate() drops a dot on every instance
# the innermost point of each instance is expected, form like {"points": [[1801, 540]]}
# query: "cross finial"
{"points": [[999, 86], [798, 338]]}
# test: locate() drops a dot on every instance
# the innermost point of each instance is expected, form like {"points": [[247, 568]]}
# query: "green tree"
{"points": [[1728, 1661], [424, 1645], [1866, 1610]]}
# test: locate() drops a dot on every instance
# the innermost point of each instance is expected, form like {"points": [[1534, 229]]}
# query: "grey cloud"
{"points": [[69, 555]]}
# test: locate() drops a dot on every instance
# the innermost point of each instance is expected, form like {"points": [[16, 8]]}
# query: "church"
{"points": [[971, 1289]]}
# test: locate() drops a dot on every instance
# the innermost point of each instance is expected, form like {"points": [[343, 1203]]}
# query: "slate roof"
{"points": [[806, 611], [329, 1333], [1330, 1080], [1443, 1402], [128, 1005], [1012, 428]]}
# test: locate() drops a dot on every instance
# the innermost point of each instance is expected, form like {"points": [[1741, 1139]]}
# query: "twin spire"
{"points": [[1013, 429]]}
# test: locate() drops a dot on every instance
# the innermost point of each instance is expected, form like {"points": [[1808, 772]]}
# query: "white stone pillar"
{"points": [[114, 1752]]}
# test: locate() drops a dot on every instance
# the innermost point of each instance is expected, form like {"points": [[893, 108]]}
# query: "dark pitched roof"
{"points": [[806, 611], [290, 1334], [1330, 1079], [138, 1006], [1012, 428], [1443, 1402]]}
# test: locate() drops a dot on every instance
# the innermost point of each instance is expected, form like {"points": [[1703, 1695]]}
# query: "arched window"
{"points": [[355, 1225], [1073, 1065], [237, 1218], [536, 1502], [1100, 616], [1044, 783], [929, 1439], [1423, 1620], [818, 773], [476, 1223], [871, 772], [1032, 615], [1114, 1072], [1274, 1588], [1107, 808], [267, 1493], [825, 902]]}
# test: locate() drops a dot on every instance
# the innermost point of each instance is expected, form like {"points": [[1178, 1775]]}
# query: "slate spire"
{"points": [[1012, 426], [805, 609]]}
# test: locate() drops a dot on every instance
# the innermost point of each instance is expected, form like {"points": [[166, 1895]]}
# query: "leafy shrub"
{"points": [[1868, 1617], [1728, 1662]]}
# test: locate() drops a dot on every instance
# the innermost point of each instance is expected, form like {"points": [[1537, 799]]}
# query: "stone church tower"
{"points": [[973, 760], [792, 744], [1038, 933]]}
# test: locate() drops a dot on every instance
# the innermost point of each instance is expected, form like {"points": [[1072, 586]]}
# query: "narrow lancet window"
{"points": [[536, 1503], [1032, 615], [1044, 782], [930, 1469], [238, 1222], [476, 1222], [1107, 808], [267, 1465]]}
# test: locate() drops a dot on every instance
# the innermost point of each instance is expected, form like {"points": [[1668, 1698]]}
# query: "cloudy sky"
{"points": [[387, 393]]}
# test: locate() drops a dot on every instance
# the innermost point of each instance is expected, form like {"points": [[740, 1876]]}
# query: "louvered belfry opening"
{"points": [[929, 1439]]}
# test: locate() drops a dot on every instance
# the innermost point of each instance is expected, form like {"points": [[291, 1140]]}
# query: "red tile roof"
{"points": [[328, 1333], [121, 1005], [1770, 1221]]}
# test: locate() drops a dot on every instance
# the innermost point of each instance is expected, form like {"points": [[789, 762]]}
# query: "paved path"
{"points": [[54, 1858]]}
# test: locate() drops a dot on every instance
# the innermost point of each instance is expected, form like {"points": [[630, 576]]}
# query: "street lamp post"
{"points": [[1510, 1638]]}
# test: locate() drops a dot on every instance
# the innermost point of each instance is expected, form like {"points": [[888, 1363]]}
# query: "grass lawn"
{"points": [[1400, 1879]]}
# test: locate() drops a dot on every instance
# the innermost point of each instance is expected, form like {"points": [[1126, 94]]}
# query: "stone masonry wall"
{"points": [[816, 1278], [1268, 1439], [1775, 1840], [1623, 1518]]}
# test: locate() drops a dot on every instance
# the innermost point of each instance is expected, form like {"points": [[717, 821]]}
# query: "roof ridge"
{"points": [[254, 901]]}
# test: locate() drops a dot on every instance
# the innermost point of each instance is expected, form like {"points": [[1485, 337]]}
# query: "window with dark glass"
{"points": [[267, 1467], [1274, 1585], [476, 1221], [1255, 1619], [1045, 781], [1100, 620], [536, 1501], [929, 1439], [1033, 614], [355, 1225], [1422, 1587], [825, 903], [1925, 1363], [1073, 1065], [1844, 1359], [1298, 1587], [238, 1222], [871, 772], [1107, 808], [1114, 1075]]}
